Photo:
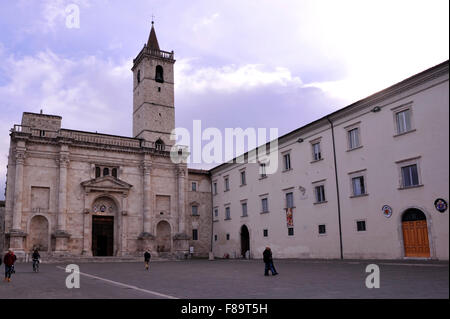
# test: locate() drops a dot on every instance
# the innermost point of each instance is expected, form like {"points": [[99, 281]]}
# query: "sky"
{"points": [[247, 63]]}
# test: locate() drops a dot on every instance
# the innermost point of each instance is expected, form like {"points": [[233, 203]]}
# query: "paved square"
{"points": [[223, 279]]}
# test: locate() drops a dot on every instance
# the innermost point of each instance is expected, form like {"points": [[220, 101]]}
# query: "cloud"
{"points": [[231, 78], [205, 22], [90, 94]]}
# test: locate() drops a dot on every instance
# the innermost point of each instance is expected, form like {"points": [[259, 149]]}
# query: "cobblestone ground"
{"points": [[236, 279]]}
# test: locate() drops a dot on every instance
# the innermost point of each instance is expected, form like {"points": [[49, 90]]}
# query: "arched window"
{"points": [[159, 76], [114, 172], [139, 76], [97, 172], [106, 171], [159, 145]]}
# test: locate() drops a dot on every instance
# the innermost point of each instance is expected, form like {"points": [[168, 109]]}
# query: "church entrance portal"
{"points": [[102, 235]]}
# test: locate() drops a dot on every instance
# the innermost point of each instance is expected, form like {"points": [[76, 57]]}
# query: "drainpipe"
{"points": [[212, 216], [337, 189]]}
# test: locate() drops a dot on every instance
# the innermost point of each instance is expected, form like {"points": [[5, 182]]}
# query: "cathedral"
{"points": [[75, 193]]}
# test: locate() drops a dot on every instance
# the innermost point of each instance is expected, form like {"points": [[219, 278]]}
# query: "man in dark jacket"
{"points": [[9, 261], [267, 257], [147, 257], [35, 257]]}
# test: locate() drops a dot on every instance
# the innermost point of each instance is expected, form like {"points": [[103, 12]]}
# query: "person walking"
{"points": [[9, 261], [147, 257], [268, 260], [35, 257]]}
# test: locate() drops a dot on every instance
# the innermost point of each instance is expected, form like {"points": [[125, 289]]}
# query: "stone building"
{"points": [[2, 225], [81, 193]]}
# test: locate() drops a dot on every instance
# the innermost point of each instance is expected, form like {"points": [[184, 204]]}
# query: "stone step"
{"points": [[99, 259]]}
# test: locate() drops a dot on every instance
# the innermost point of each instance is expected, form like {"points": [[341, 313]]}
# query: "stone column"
{"points": [[181, 239], [87, 246], [124, 226], [61, 233], [18, 188], [146, 237], [181, 171], [147, 199], [16, 232]]}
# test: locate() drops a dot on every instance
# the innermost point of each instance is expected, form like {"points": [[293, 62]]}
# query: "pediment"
{"points": [[106, 183]]}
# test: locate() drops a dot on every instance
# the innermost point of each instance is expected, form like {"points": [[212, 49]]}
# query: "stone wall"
{"points": [[2, 226], [201, 198]]}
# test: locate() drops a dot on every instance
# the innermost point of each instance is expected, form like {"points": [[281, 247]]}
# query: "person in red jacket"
{"points": [[9, 261]]}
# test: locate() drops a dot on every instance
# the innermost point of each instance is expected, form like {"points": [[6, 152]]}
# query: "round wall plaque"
{"points": [[387, 211], [440, 205]]}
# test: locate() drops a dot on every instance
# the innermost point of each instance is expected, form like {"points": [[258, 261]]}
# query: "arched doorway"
{"points": [[39, 233], [245, 240], [103, 227], [415, 233], [163, 237]]}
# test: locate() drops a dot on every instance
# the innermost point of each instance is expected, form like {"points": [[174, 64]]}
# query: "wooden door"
{"points": [[415, 238]]}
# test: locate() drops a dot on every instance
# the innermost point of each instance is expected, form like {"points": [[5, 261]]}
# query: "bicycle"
{"points": [[36, 265]]}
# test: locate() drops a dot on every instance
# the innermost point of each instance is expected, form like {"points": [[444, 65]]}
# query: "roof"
{"points": [[198, 171], [152, 42]]}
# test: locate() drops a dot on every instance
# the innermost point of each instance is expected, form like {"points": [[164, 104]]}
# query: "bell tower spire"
{"points": [[152, 40], [153, 92]]}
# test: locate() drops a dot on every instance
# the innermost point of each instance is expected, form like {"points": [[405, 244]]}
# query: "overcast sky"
{"points": [[239, 63]]}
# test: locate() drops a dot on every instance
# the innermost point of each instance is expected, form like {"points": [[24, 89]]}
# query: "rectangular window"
{"points": [[228, 236], [227, 213], [97, 172], [215, 237], [243, 178], [320, 194], [265, 232], [244, 209], [194, 186], [290, 231], [289, 200], [215, 188], [194, 234], [322, 229], [358, 186], [316, 152], [403, 120], [361, 225], [353, 138], [265, 205], [216, 212], [287, 161], [227, 184], [262, 170], [194, 210], [410, 176]]}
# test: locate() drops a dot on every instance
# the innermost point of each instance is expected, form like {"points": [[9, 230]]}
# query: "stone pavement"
{"points": [[235, 279]]}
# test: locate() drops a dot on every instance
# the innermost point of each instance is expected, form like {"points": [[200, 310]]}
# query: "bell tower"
{"points": [[153, 93]]}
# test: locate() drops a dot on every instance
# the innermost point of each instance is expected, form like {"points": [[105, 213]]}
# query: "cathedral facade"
{"points": [[81, 193]]}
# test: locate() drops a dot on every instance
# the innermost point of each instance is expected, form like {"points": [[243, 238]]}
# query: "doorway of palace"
{"points": [[163, 237], [102, 235], [415, 233], [245, 240]]}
